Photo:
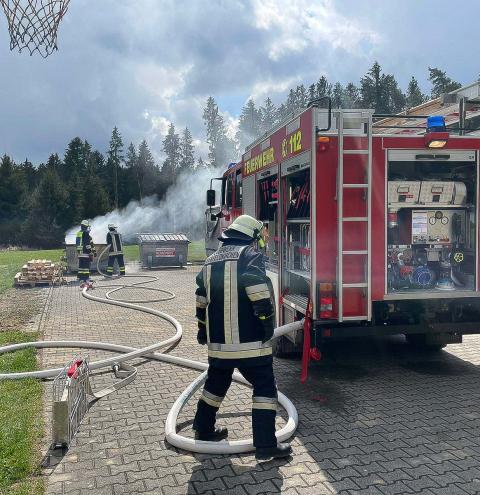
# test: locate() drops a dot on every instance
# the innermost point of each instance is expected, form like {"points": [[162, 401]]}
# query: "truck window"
{"points": [[238, 189], [229, 202]]}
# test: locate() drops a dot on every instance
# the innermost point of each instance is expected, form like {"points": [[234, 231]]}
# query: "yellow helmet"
{"points": [[85, 223], [247, 225]]}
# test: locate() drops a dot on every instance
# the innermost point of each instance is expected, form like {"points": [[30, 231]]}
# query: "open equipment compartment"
{"points": [[431, 221], [267, 190], [297, 246]]}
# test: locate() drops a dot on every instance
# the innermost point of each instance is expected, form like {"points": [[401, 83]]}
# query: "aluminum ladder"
{"points": [[345, 223]]}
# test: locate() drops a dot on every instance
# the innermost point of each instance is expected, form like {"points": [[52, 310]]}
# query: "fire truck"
{"points": [[371, 224]]}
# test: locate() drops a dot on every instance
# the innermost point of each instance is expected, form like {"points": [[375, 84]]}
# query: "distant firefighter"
{"points": [[114, 240], [85, 250]]}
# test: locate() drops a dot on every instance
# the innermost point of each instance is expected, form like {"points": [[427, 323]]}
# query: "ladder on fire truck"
{"points": [[346, 223]]}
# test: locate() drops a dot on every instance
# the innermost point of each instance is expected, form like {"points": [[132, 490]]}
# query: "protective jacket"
{"points": [[234, 306], [115, 241], [84, 243]]}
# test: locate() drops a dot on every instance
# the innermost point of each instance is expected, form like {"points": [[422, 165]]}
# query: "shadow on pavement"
{"points": [[219, 474], [376, 415]]}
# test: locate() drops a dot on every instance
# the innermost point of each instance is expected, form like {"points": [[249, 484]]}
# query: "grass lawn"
{"points": [[21, 425], [12, 261]]}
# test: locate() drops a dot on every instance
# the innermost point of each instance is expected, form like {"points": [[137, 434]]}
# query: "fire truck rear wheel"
{"points": [[419, 342], [285, 348]]}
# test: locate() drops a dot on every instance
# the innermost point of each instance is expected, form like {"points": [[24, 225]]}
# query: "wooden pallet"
{"points": [[19, 281]]}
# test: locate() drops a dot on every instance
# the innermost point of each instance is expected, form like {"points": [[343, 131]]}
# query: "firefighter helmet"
{"points": [[111, 226], [85, 223], [247, 225]]}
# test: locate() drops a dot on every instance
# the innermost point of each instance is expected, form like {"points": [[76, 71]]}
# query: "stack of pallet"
{"points": [[40, 272]]}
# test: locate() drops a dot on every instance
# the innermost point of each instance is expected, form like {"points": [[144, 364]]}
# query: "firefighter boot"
{"points": [[214, 436], [266, 453]]}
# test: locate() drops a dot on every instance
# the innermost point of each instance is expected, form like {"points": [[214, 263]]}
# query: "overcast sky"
{"points": [[141, 64]]}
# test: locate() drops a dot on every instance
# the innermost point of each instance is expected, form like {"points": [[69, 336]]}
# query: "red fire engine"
{"points": [[375, 230]]}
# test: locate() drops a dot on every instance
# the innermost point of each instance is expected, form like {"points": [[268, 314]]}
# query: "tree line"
{"points": [[38, 204]]}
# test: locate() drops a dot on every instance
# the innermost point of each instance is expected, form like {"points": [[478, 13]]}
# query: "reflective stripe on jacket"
{"points": [[234, 306], [116, 243], [84, 242]]}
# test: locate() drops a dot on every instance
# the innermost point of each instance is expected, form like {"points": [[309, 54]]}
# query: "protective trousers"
{"points": [[111, 262], [264, 406], [83, 267]]}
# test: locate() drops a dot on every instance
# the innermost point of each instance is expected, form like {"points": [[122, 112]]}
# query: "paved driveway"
{"points": [[375, 417]]}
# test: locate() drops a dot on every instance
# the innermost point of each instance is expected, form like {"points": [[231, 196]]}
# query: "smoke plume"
{"points": [[182, 210]]}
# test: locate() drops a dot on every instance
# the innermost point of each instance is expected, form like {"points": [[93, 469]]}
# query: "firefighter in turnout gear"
{"points": [[85, 250], [236, 320], [114, 240]]}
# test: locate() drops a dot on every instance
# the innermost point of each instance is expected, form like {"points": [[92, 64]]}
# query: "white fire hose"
{"points": [[129, 353]]}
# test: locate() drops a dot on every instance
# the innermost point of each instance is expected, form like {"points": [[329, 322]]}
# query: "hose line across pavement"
{"points": [[126, 353]]}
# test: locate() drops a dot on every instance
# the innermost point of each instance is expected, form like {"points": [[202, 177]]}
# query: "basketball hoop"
{"points": [[33, 24]]}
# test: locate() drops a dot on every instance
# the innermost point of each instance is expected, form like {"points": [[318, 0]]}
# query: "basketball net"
{"points": [[33, 24]]}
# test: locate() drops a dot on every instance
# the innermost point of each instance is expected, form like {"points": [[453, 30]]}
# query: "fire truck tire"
{"points": [[285, 348], [419, 342]]}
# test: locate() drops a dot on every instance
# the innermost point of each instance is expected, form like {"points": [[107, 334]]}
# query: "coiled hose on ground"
{"points": [[126, 353]]}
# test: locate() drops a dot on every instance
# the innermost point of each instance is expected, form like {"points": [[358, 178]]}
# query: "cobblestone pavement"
{"points": [[375, 417]]}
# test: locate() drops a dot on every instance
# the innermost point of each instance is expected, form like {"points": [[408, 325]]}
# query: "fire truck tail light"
{"points": [[326, 307], [326, 300]]}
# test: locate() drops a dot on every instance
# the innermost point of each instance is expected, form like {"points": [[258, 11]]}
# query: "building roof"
{"points": [[447, 105]]}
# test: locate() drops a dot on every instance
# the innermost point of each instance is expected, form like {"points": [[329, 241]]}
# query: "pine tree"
{"points": [[12, 190], [74, 211], [414, 96], [171, 148], [441, 83], [54, 163], [115, 159], [201, 165], [268, 116], [29, 173], [301, 96], [351, 96], [291, 104], [249, 125], [95, 199], [74, 162], [282, 112], [381, 92], [135, 174], [187, 152], [371, 89], [394, 98], [337, 95], [221, 147], [323, 87], [148, 171], [47, 221]]}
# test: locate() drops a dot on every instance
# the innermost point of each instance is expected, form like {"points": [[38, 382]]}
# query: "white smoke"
{"points": [[181, 211]]}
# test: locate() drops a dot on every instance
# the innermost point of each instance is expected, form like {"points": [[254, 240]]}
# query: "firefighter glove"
{"points": [[268, 327], [201, 338]]}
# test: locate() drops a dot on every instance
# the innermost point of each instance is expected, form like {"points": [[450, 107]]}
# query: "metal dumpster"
{"points": [[72, 258], [157, 250]]}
